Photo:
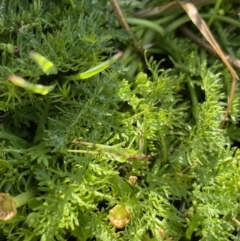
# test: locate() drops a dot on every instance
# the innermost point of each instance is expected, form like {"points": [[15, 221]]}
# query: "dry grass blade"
{"points": [[192, 12]]}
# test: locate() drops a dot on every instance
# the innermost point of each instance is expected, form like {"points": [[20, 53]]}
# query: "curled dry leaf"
{"points": [[7, 207], [119, 216], [161, 233], [132, 180]]}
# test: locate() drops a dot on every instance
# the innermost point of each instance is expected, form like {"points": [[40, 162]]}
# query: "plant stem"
{"points": [[147, 24], [23, 198], [194, 101], [173, 26], [215, 10]]}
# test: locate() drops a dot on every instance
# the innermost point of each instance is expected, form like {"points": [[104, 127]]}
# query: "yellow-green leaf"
{"points": [[97, 69], [35, 88], [47, 66]]}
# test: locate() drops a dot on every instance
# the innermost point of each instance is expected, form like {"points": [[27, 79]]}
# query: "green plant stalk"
{"points": [[117, 154], [156, 51], [129, 59], [8, 136], [164, 149], [138, 31], [133, 67], [98, 152], [39, 132], [215, 10], [166, 19], [100, 146], [23, 198], [147, 24], [173, 26], [224, 19], [72, 3], [95, 70], [148, 37], [194, 101], [221, 36]]}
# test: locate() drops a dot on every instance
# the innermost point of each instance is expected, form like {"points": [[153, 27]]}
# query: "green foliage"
{"points": [[78, 147]]}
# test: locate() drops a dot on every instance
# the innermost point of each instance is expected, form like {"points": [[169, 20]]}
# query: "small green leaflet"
{"points": [[49, 68], [97, 69], [46, 65], [35, 88]]}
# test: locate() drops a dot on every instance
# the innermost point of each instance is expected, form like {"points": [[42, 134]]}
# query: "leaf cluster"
{"points": [[78, 147]]}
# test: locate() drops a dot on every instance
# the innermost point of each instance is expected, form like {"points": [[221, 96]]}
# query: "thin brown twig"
{"points": [[230, 101], [234, 61], [124, 24], [189, 167]]}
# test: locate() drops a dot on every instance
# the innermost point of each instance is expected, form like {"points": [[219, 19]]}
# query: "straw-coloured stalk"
{"points": [[192, 12]]}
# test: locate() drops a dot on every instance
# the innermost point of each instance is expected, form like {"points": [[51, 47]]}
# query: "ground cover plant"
{"points": [[102, 140]]}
